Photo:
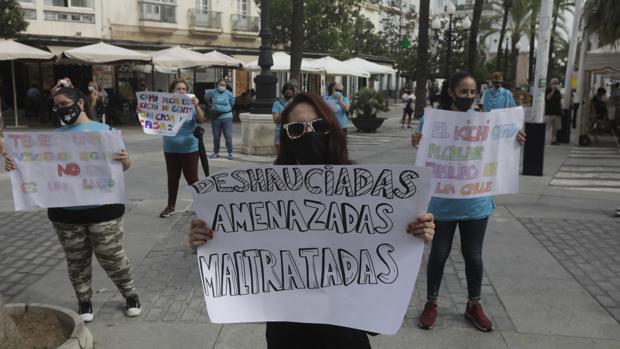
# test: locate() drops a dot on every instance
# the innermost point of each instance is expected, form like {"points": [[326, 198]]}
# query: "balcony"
{"points": [[245, 26], [158, 16], [205, 22]]}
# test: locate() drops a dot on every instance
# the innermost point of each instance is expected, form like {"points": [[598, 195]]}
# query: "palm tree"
{"points": [[506, 5], [603, 17], [422, 60], [519, 26], [559, 8], [535, 8], [297, 39], [473, 36]]}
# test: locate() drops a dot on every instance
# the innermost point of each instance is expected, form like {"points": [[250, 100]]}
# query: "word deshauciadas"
{"points": [[263, 271], [320, 181]]}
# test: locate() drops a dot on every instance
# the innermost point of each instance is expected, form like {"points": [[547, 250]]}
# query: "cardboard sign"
{"points": [[471, 154], [163, 113], [314, 244], [64, 169]]}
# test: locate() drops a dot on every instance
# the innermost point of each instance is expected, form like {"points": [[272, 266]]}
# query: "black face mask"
{"points": [[68, 115], [311, 148], [463, 103]]}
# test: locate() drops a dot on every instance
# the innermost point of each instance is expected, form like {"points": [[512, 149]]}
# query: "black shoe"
{"points": [[133, 306], [85, 309]]}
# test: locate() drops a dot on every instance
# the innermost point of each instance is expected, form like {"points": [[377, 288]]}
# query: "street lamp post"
{"points": [[265, 82], [452, 21]]}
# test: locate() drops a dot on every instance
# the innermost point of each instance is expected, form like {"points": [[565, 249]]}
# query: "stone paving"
{"points": [[29, 250], [587, 249]]}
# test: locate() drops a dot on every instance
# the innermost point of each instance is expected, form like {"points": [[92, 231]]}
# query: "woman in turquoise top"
{"points": [[339, 104], [288, 91], [471, 216], [95, 229], [181, 151], [221, 101], [497, 97]]}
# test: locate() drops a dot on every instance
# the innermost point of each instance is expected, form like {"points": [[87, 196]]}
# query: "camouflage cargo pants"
{"points": [[103, 239]]}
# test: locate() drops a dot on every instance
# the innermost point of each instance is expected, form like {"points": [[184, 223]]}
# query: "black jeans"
{"points": [[472, 236]]}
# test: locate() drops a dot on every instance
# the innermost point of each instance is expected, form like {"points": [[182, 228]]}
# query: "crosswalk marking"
{"points": [[591, 169]]}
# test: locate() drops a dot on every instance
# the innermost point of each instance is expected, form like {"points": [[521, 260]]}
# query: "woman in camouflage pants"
{"points": [[84, 230]]}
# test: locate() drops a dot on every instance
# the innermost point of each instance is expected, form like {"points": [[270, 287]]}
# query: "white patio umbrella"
{"points": [[219, 59], [332, 66], [11, 50], [371, 67], [282, 63], [178, 57], [105, 53]]}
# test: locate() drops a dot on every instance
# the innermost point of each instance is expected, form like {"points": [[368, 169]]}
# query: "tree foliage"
{"points": [[603, 17], [391, 38], [12, 20]]}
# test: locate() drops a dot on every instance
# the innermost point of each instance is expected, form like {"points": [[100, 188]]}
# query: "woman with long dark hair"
{"points": [[471, 216], [87, 230], [311, 135]]}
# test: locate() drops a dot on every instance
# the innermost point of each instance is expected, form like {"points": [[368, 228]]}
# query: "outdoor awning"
{"points": [[12, 50], [332, 66], [177, 58], [219, 59], [282, 63], [371, 67], [105, 53], [604, 59]]}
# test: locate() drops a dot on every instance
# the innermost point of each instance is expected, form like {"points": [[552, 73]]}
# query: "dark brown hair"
{"points": [[174, 83], [338, 153]]}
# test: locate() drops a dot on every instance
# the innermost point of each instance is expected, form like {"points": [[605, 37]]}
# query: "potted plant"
{"points": [[366, 103]]}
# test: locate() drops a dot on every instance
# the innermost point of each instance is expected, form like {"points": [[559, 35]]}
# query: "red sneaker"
{"points": [[428, 316], [475, 314]]}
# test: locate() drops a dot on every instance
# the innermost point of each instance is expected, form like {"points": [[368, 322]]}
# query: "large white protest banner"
{"points": [[60, 169], [163, 113], [471, 154], [312, 244]]}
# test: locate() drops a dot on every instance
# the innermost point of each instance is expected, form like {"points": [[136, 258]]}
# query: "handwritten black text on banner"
{"points": [[318, 244]]}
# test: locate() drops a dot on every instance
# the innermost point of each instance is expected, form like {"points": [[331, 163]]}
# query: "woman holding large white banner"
{"points": [[312, 135], [471, 215], [84, 230]]}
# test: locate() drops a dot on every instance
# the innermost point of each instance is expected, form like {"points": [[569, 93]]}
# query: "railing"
{"points": [[68, 17], [157, 12], [206, 19], [245, 23], [29, 13]]}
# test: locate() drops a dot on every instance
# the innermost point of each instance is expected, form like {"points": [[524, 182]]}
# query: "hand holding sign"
{"points": [[163, 113]]}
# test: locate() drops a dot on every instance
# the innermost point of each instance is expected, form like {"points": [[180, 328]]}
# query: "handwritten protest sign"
{"points": [[471, 154], [314, 244], [163, 113], [60, 169]]}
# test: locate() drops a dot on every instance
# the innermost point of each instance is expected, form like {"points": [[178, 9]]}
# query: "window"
{"points": [[202, 5], [71, 3], [68, 17], [158, 11], [243, 7], [27, 2], [29, 13]]}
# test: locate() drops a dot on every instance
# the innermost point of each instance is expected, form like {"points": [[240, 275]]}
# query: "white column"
{"points": [[570, 65], [542, 58]]}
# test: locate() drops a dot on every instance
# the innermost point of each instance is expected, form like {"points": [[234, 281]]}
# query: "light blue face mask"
{"points": [[337, 94], [221, 88]]}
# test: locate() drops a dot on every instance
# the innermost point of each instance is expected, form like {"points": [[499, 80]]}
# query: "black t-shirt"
{"points": [[93, 215], [553, 105]]}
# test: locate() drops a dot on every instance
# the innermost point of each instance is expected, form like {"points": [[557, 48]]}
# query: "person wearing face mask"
{"points": [[181, 151], [311, 135], [470, 215], [288, 91], [497, 97], [84, 230], [338, 103], [221, 101]]}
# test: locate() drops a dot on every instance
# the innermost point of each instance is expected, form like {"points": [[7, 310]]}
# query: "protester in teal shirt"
{"points": [[470, 215], [497, 97], [181, 151], [288, 91], [339, 103], [221, 102]]}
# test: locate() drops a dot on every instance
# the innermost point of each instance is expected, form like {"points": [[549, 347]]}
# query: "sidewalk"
{"points": [[552, 268]]}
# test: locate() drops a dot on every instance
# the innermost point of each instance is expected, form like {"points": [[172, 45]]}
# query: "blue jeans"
{"points": [[217, 126]]}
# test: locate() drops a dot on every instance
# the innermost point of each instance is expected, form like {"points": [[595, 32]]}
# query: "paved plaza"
{"points": [[552, 267]]}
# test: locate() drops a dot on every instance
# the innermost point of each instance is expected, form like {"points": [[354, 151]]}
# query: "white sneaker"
{"points": [[133, 306]]}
